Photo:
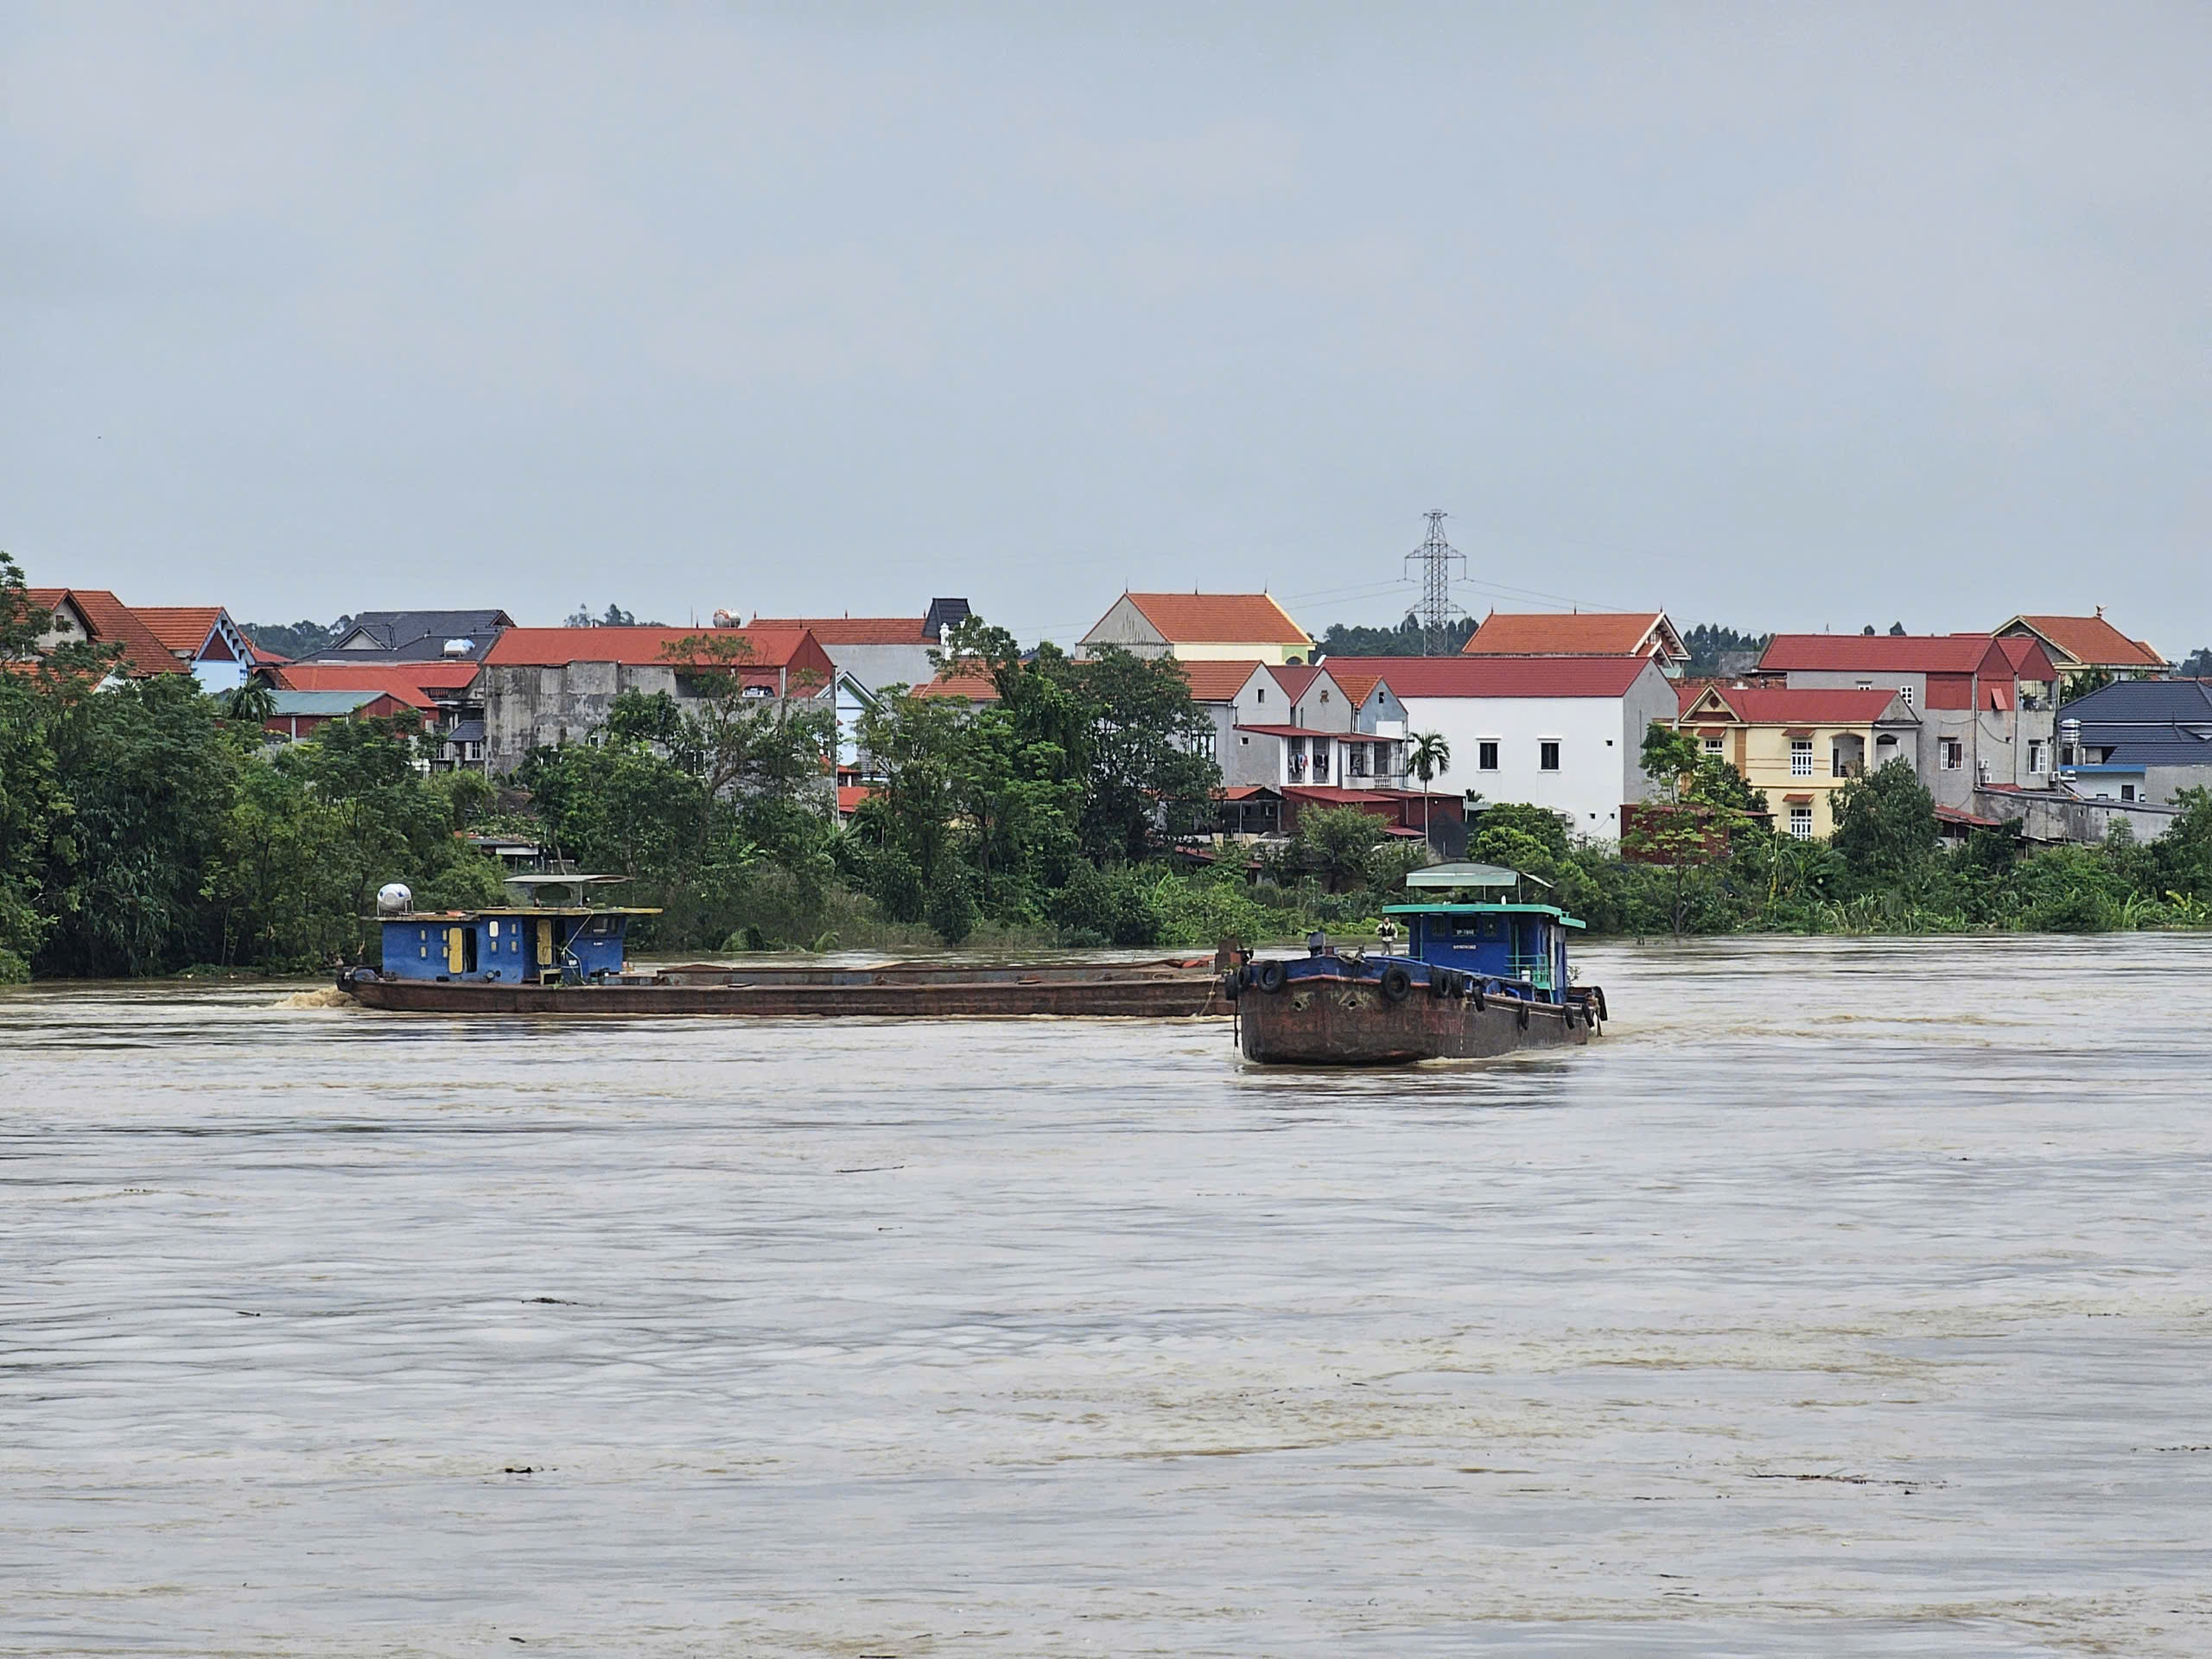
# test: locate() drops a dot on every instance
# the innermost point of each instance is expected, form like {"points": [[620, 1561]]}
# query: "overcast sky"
{"points": [[1774, 315]]}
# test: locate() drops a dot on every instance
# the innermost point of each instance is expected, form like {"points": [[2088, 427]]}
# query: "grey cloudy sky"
{"points": [[1778, 315]]}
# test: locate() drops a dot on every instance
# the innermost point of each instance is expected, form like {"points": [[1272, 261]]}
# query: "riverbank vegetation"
{"points": [[146, 827]]}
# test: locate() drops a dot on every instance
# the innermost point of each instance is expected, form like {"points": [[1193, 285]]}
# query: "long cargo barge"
{"points": [[1182, 989]]}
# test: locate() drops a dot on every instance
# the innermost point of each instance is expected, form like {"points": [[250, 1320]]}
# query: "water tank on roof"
{"points": [[394, 899], [459, 648], [729, 618]]}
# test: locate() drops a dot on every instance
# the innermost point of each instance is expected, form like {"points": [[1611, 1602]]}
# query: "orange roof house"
{"points": [[1200, 626], [2077, 643], [95, 616], [1580, 633]]}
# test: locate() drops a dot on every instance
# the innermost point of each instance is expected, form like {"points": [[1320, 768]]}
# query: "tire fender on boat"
{"points": [[1520, 1013], [1482, 1002], [1269, 976], [1442, 982], [1397, 984]]}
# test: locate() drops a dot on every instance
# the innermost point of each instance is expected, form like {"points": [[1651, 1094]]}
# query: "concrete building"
{"points": [[1580, 633], [544, 687], [1800, 746], [1565, 733], [1985, 704], [2142, 741], [1249, 627]]}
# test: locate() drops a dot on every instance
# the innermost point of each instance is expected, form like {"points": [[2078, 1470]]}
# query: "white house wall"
{"points": [[1601, 744]]}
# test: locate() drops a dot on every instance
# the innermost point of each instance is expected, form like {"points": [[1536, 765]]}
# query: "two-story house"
{"points": [[1985, 705], [2138, 740], [1565, 733], [1800, 746]]}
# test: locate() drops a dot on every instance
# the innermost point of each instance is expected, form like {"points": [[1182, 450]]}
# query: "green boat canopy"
{"points": [[1471, 876]]}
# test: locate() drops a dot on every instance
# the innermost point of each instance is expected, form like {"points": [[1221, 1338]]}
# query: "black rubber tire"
{"points": [[1232, 983], [1442, 983], [1269, 976], [1397, 984], [1482, 1002], [1520, 1013]]}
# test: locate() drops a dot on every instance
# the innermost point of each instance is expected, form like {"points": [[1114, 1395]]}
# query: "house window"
{"points": [[1487, 755], [2127, 791], [1800, 757], [2035, 757], [1954, 753], [1801, 823], [1325, 696], [1905, 692], [1711, 742], [1321, 759], [1259, 694], [1356, 762], [1205, 745], [1547, 755]]}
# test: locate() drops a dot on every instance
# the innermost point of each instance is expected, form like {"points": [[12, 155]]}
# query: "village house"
{"points": [[295, 715], [1563, 733], [2138, 740], [94, 616], [880, 651], [1297, 724], [544, 687], [1197, 627], [417, 636], [204, 642], [1985, 705], [1580, 633], [443, 694], [2080, 645], [1800, 746]]}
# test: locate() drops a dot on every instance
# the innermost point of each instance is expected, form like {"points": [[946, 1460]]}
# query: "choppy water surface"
{"points": [[1850, 1298]]}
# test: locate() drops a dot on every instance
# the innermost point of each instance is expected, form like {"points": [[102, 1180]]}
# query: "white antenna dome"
{"points": [[394, 899]]}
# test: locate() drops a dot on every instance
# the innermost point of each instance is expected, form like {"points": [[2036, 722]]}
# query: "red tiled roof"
{"points": [[1219, 618], [1764, 705], [113, 623], [1329, 795], [1876, 653], [182, 628], [408, 681], [856, 630], [849, 796], [1307, 731], [1500, 676], [767, 648], [2092, 642], [428, 678], [2029, 659], [1295, 678], [970, 682], [1581, 633], [1357, 687], [1217, 680]]}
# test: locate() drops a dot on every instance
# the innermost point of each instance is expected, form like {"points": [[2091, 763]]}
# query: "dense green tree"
{"points": [[1885, 826]]}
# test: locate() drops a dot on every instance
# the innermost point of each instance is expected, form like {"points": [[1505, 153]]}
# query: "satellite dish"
{"points": [[394, 899]]}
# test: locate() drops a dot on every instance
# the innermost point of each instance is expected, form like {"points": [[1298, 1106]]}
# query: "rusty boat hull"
{"points": [[1166, 990], [1349, 1019]]}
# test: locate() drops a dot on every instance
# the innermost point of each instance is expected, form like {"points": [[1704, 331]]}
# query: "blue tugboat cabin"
{"points": [[1507, 941], [550, 935]]}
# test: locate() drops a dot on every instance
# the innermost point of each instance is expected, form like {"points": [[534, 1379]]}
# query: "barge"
{"points": [[1477, 980], [556, 956]]}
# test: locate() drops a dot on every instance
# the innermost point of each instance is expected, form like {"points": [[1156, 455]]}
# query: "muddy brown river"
{"points": [[1849, 1298]]}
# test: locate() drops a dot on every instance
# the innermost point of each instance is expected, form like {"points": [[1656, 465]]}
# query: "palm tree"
{"points": [[1428, 755], [252, 701]]}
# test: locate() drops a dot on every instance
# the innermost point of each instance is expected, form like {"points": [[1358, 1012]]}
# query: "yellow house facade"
{"points": [[1801, 746]]}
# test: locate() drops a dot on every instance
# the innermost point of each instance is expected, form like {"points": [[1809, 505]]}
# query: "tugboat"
{"points": [[1478, 977]]}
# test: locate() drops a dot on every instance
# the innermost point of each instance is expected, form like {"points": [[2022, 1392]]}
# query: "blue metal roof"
{"points": [[2147, 722]]}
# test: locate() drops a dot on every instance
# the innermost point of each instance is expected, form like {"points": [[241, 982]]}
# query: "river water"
{"points": [[1851, 1297]]}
